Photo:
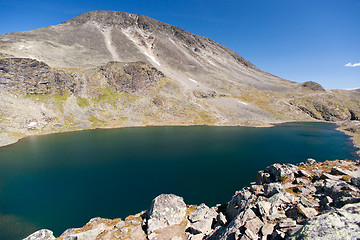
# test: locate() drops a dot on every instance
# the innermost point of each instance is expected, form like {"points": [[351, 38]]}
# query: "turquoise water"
{"points": [[63, 180]]}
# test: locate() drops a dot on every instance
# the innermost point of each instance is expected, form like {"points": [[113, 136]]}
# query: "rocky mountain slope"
{"points": [[310, 200], [108, 69]]}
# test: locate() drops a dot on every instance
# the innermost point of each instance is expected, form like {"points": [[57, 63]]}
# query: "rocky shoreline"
{"points": [[309, 200]]}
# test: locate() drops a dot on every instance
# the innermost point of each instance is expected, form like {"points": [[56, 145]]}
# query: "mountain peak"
{"points": [[106, 18]]}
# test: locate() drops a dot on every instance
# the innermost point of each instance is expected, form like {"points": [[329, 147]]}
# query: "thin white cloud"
{"points": [[352, 65]]}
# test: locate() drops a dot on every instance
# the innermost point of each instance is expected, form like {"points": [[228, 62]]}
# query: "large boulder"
{"points": [[42, 234], [338, 224], [282, 172], [165, 210]]}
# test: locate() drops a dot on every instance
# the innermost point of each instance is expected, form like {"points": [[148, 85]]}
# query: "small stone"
{"points": [[309, 203], [264, 209], [251, 234], [254, 224], [355, 181], [202, 219], [306, 212], [202, 212], [120, 224], [310, 162], [292, 230], [275, 214], [329, 176], [287, 222], [267, 229], [257, 189], [339, 171], [303, 173], [272, 188]]}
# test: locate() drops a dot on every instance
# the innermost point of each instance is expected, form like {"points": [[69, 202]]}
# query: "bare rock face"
{"points": [[29, 76], [130, 77], [42, 234], [338, 224], [165, 210]]}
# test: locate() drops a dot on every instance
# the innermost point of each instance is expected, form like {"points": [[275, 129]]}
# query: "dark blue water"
{"points": [[61, 181]]}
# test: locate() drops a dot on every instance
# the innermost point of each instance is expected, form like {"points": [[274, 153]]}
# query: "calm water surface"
{"points": [[61, 181]]}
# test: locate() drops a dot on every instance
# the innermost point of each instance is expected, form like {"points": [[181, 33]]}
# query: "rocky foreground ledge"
{"points": [[308, 201]]}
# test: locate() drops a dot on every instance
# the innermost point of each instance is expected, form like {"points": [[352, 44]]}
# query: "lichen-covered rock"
{"points": [[42, 234], [338, 224], [165, 210]]}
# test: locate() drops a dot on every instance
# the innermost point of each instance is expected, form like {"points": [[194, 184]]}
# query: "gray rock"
{"points": [[291, 230], [264, 209], [338, 224], [301, 181], [329, 176], [339, 171], [282, 172], [280, 198], [202, 219], [262, 177], [287, 222], [221, 219], [267, 229], [275, 214], [91, 234], [355, 181], [165, 210], [308, 162], [120, 224], [309, 202], [306, 211], [42, 234], [250, 234], [273, 188], [240, 201], [202, 212], [303, 173], [257, 189], [254, 224]]}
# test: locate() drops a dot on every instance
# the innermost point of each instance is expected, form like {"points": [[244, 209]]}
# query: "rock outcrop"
{"points": [[309, 200]]}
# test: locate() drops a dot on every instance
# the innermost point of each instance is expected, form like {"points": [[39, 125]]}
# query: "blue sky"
{"points": [[299, 40]]}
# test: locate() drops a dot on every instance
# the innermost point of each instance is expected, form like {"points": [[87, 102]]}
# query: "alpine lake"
{"points": [[61, 181]]}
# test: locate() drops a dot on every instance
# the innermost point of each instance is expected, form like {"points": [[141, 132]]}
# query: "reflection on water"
{"points": [[63, 180], [14, 227]]}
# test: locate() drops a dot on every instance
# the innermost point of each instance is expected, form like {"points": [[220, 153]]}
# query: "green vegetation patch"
{"points": [[82, 102]]}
